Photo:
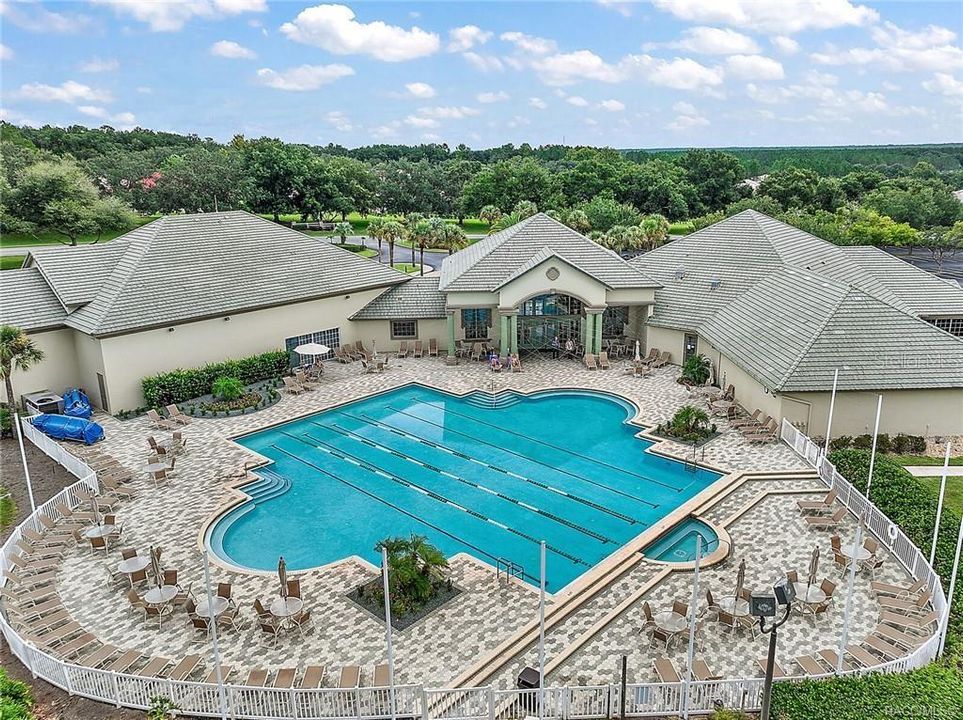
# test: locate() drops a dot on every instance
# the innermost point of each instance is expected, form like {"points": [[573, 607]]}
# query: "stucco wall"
{"points": [[379, 331], [56, 372], [90, 361], [750, 394], [128, 358], [666, 341], [570, 281]]}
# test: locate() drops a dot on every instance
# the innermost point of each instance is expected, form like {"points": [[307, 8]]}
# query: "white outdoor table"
{"points": [[220, 604], [284, 608], [160, 595], [738, 608], [133, 565], [670, 621], [157, 467], [861, 552], [811, 594], [100, 531]]}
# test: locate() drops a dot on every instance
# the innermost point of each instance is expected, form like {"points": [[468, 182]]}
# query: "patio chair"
{"points": [[350, 676], [263, 614], [827, 522], [749, 429], [359, 346], [419, 350], [312, 678], [840, 561], [367, 368], [649, 621], [663, 636], [433, 347], [135, 603], [702, 671], [604, 360], [158, 611], [880, 588], [293, 386], [653, 355], [403, 349], [680, 608], [224, 591], [185, 667], [160, 423], [824, 504], [661, 361], [778, 671], [285, 678], [768, 433], [810, 665], [862, 656], [269, 633], [666, 671], [303, 380], [294, 587], [340, 356], [201, 626], [590, 362], [883, 647], [174, 413], [792, 576], [477, 351], [711, 606], [302, 621]]}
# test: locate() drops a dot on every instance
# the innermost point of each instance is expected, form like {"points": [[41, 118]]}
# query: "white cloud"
{"points": [[537, 103], [484, 63], [98, 65], [686, 118], [421, 122], [755, 67], [68, 92], [419, 90], [304, 77], [678, 73], [144, 89], [383, 132], [785, 16], [492, 97], [5, 52], [785, 45], [622, 8], [945, 84], [929, 49], [449, 112], [334, 28], [715, 41], [33, 17], [123, 120], [466, 37], [339, 120], [162, 16], [612, 105], [568, 68], [232, 50], [684, 108], [576, 100], [529, 44]]}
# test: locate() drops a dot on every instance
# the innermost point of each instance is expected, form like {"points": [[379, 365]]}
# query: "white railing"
{"points": [[415, 701]]}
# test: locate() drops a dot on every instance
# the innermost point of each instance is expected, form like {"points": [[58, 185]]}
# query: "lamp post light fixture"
{"points": [[765, 605]]}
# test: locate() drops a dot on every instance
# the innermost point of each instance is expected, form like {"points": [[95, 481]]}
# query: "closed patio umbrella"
{"points": [[155, 566], [740, 578], [813, 566], [283, 576], [95, 508], [638, 352]]}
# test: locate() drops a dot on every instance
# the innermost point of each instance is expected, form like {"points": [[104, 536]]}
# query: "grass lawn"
{"points": [[361, 250], [923, 460], [407, 268], [473, 226], [680, 228], [954, 491], [26, 240], [11, 262]]}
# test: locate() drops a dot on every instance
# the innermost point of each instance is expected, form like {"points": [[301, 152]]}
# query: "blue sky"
{"points": [[657, 74]]}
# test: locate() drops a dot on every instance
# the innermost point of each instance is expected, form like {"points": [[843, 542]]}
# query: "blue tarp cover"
{"points": [[77, 404], [62, 427]]}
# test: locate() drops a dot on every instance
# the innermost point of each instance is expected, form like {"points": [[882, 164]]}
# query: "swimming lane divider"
{"points": [[477, 486], [559, 448], [496, 468], [365, 465], [474, 439], [381, 500]]}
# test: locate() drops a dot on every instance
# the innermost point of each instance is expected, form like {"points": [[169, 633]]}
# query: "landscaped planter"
{"points": [[368, 597], [257, 396]]}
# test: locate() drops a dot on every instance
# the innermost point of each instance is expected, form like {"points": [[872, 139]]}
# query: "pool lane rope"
{"points": [[365, 465], [495, 468]]}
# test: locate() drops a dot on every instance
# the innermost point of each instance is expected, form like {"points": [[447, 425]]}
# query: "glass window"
{"points": [[954, 326], [476, 322], [331, 338], [614, 320], [404, 329], [551, 305], [689, 346]]}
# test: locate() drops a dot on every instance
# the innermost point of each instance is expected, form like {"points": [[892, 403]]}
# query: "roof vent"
{"points": [[679, 273], [714, 283]]}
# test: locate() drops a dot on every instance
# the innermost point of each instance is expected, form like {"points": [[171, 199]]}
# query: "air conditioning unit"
{"points": [[44, 402]]}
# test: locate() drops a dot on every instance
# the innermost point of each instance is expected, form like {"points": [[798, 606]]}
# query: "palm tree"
{"points": [[489, 214], [578, 221], [16, 351], [376, 230], [655, 228], [422, 234], [393, 231], [343, 229], [452, 238], [506, 221], [525, 208]]}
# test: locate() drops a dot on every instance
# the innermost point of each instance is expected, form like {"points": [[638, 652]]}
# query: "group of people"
{"points": [[512, 362], [557, 347]]}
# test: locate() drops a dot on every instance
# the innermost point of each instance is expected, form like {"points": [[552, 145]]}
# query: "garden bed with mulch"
{"points": [[256, 396], [369, 598]]}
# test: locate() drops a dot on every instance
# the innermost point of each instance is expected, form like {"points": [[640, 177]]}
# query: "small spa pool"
{"points": [[679, 544]]}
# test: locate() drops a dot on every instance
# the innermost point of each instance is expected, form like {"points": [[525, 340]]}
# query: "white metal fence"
{"points": [[417, 701]]}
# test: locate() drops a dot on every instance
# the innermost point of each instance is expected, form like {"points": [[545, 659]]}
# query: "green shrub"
{"points": [[883, 443], [863, 442], [180, 385], [729, 714], [15, 699], [909, 444], [840, 443], [696, 370], [227, 388], [934, 691], [907, 503]]}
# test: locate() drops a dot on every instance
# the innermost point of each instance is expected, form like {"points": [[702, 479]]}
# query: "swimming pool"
{"points": [[491, 477], [680, 543]]}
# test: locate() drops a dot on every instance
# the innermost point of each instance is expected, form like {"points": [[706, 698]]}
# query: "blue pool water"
{"points": [[490, 479], [680, 543]]}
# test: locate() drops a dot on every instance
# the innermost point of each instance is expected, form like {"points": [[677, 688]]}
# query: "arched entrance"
{"points": [[545, 317]]}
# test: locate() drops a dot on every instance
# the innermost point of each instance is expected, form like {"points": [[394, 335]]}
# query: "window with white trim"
{"points": [[476, 322], [329, 338], [404, 329]]}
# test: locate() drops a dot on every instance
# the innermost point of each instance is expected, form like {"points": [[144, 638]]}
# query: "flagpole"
{"points": [[212, 624], [844, 640], [391, 654], [832, 406], [23, 457], [939, 505], [690, 655], [949, 595], [872, 455], [541, 634]]}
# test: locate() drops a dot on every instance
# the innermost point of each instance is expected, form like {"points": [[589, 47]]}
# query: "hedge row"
{"points": [[180, 385], [935, 691], [901, 444], [913, 507]]}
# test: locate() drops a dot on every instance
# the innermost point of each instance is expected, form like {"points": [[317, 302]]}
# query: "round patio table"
{"points": [[810, 594], [218, 606], [100, 531], [160, 595], [133, 565], [157, 467], [670, 621], [738, 608], [286, 607], [861, 552], [711, 391]]}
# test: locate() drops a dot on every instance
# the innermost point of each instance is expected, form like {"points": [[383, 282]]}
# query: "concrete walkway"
{"points": [[934, 470]]}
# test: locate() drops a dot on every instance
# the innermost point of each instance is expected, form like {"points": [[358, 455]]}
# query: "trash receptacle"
{"points": [[528, 680]]}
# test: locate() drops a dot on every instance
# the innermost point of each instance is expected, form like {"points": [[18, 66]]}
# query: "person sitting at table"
{"points": [[495, 362]]}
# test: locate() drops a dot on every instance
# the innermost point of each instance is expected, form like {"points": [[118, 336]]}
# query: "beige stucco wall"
{"points": [[90, 361], [570, 281], [56, 372], [379, 332], [128, 358], [665, 340]]}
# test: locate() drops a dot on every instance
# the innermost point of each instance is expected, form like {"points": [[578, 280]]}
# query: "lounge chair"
{"points": [[666, 671], [884, 648], [312, 678], [293, 386], [154, 668], [419, 349], [125, 662], [226, 672], [590, 362], [909, 622], [99, 656], [702, 671], [898, 637], [831, 659], [359, 346], [403, 350], [368, 369], [822, 505], [862, 656], [778, 671], [810, 665], [652, 356], [256, 678], [185, 667], [285, 678], [749, 420], [160, 423], [433, 347], [350, 676], [827, 522], [898, 591], [174, 413], [661, 361], [767, 433], [380, 676], [906, 607], [755, 427], [604, 360]]}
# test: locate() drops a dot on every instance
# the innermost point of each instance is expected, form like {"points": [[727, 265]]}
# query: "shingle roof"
{"points": [[926, 294], [187, 267], [77, 273], [28, 302], [417, 299], [489, 263]]}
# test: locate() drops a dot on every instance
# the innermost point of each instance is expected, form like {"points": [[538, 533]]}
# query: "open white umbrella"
{"points": [[312, 348], [283, 576]]}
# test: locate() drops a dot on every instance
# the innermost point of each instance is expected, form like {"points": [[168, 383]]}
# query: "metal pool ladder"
{"points": [[508, 568]]}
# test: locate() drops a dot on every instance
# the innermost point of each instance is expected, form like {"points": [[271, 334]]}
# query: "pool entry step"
{"points": [[489, 401], [269, 485]]}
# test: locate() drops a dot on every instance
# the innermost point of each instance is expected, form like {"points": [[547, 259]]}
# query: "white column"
{"points": [[939, 505], [872, 454]]}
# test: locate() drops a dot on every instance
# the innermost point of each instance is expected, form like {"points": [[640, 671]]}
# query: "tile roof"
{"points": [[926, 294], [28, 302], [487, 264], [77, 273], [417, 299], [188, 267]]}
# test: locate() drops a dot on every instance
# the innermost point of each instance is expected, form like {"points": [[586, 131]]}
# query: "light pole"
{"points": [[763, 605]]}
